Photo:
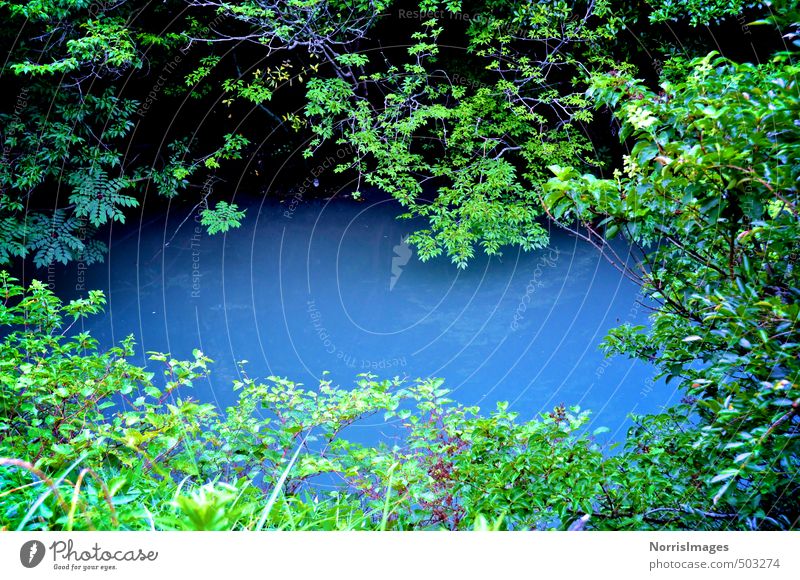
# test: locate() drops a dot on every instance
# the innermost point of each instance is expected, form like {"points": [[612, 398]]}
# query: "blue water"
{"points": [[315, 286]]}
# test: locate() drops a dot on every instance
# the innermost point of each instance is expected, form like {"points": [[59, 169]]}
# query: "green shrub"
{"points": [[91, 441]]}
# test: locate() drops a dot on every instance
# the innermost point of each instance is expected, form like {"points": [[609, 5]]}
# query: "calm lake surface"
{"points": [[332, 286]]}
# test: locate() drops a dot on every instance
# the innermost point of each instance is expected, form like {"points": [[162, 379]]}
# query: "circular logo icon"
{"points": [[31, 553]]}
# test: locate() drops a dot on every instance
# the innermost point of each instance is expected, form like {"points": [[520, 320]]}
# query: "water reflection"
{"points": [[334, 286]]}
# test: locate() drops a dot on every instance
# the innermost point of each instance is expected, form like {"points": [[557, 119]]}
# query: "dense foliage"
{"points": [[92, 441], [459, 121], [710, 190], [486, 119]]}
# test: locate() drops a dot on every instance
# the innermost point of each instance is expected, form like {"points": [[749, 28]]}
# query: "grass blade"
{"points": [[279, 486], [40, 500]]}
